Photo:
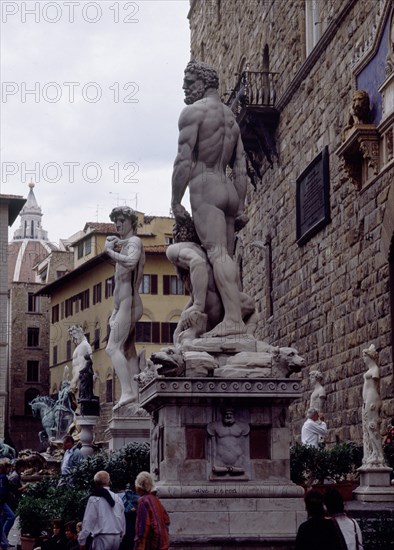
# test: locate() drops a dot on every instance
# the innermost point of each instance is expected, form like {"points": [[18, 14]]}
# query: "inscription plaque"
{"points": [[313, 198]]}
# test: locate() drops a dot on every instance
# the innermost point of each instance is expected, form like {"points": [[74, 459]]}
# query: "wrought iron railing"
{"points": [[254, 88]]}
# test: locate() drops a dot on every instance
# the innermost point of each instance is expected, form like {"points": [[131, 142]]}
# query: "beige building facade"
{"points": [[318, 251], [84, 297]]}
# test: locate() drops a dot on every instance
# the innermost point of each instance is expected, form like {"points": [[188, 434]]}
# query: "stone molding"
{"points": [[219, 387]]}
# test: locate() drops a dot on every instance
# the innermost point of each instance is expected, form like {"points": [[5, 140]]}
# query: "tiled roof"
{"points": [[156, 249], [101, 227]]}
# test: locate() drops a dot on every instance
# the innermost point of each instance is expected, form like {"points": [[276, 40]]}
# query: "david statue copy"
{"points": [[128, 254]]}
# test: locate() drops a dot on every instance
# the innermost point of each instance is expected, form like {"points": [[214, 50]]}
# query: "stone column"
{"points": [[86, 437]]}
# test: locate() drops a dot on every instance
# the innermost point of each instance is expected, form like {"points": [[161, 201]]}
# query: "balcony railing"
{"points": [[253, 89]]}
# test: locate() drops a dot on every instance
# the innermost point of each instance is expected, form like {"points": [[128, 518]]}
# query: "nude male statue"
{"points": [[209, 142], [195, 270], [230, 437], [129, 257], [82, 347]]}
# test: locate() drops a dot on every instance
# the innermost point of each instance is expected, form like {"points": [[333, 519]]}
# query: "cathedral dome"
{"points": [[30, 243]]}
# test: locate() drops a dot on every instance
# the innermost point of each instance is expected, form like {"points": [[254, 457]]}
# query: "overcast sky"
{"points": [[91, 95]]}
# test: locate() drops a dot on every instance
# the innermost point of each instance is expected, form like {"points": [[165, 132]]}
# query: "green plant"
{"points": [[45, 500], [302, 460], [343, 460], [123, 466], [311, 465]]}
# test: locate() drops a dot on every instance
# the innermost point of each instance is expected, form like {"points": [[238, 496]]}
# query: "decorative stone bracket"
{"points": [[360, 153]]}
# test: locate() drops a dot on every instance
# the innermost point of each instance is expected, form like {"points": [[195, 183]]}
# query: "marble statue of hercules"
{"points": [[129, 259], [209, 141]]}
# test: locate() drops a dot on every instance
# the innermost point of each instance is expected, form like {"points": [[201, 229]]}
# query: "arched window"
{"points": [[32, 229]]}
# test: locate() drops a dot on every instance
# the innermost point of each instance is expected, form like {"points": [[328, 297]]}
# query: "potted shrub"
{"points": [[44, 500], [321, 467]]}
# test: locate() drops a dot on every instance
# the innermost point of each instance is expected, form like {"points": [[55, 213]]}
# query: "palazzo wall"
{"points": [[330, 297]]}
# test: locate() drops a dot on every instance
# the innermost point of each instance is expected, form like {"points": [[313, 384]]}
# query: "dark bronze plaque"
{"points": [[313, 198]]}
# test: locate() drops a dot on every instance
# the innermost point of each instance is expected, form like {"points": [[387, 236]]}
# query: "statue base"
{"points": [[374, 484], [90, 407], [217, 496], [128, 423]]}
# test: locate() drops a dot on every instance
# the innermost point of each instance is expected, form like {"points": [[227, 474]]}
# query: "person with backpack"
{"points": [[130, 503], [348, 526]]}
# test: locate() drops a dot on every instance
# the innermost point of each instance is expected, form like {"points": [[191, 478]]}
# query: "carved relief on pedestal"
{"points": [[230, 443]]}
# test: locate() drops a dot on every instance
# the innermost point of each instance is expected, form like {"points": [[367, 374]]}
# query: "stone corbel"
{"points": [[360, 153]]}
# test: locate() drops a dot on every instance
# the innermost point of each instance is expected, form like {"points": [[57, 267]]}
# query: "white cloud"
{"points": [[151, 53]]}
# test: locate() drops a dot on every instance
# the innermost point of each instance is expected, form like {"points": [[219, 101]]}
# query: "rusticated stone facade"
{"points": [[329, 297]]}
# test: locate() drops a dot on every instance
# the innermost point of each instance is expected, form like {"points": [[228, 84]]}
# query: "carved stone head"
{"points": [[124, 212], [76, 333], [199, 77]]}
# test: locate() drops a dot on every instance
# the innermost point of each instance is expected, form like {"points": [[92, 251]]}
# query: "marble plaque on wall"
{"points": [[313, 198]]}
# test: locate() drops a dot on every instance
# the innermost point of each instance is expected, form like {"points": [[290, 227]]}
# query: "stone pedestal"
{"points": [[224, 483], [87, 423], [128, 423], [374, 485]]}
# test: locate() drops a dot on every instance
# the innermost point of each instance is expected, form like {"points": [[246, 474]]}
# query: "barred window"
{"points": [[147, 331], [32, 371], [173, 285], [96, 341], [167, 332], [109, 287], [148, 284], [55, 355], [33, 303], [33, 337], [55, 313], [96, 293]]}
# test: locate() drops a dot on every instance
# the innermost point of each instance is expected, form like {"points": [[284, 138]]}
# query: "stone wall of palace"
{"points": [[331, 295]]}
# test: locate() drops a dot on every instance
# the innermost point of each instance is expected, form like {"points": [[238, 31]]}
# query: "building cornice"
{"points": [[47, 290]]}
